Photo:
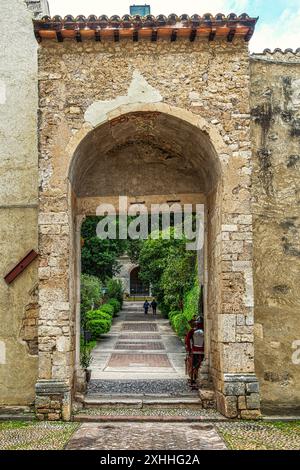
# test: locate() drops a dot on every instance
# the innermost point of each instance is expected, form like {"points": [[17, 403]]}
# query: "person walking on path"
{"points": [[154, 306], [146, 307]]}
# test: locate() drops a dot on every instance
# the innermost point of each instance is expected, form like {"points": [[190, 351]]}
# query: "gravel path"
{"points": [[150, 387]]}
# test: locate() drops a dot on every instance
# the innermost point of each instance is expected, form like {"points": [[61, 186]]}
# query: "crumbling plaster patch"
{"points": [[139, 91]]}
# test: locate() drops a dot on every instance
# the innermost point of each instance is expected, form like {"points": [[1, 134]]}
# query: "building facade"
{"points": [[156, 109]]}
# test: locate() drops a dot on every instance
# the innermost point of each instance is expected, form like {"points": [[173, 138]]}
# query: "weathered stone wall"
{"points": [[18, 203], [275, 108], [84, 85]]}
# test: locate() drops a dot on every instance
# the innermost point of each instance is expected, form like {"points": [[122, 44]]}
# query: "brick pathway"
{"points": [[138, 347], [146, 436]]}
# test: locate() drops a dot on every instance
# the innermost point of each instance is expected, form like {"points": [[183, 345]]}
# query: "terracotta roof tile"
{"points": [[116, 27]]}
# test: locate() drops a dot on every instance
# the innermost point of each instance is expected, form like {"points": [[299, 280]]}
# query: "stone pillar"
{"points": [[56, 318], [237, 385]]}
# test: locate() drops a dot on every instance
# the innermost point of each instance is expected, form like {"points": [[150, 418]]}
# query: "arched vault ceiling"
{"points": [[144, 153]]}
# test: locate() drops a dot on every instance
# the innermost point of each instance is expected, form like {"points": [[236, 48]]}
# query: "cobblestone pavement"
{"points": [[171, 387], [152, 411], [16, 435], [240, 435], [146, 436], [260, 435]]}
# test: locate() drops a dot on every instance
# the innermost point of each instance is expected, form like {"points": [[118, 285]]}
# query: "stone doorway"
{"points": [[153, 153], [138, 288]]}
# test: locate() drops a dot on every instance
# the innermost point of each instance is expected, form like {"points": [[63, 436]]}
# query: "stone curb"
{"points": [[149, 419]]}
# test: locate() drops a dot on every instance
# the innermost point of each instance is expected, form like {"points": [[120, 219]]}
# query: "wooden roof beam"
{"points": [[212, 34], [193, 35], [59, 36], [116, 35], [135, 35], [174, 35], [154, 35], [230, 35]]}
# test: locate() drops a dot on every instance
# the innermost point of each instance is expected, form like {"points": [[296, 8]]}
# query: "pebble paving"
{"points": [[152, 411], [35, 435], [260, 435], [171, 387], [235, 435]]}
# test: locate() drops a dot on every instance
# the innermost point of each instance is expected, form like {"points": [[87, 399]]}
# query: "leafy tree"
{"points": [[90, 292], [169, 268], [98, 256], [115, 290]]}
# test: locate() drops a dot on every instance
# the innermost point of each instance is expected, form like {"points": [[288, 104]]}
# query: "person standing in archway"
{"points": [[194, 345], [154, 306]]}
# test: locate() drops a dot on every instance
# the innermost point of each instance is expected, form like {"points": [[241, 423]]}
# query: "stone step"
{"points": [[206, 420], [140, 401], [17, 417]]}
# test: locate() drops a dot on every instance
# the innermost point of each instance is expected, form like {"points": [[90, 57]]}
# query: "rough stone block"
{"points": [[242, 405], [227, 326], [227, 405], [250, 414], [40, 416], [245, 219], [54, 416], [238, 357], [232, 247], [229, 228], [252, 387], [234, 388], [253, 401], [53, 218]]}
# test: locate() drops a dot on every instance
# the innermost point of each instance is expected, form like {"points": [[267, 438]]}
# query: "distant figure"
{"points": [[146, 307], [154, 306]]}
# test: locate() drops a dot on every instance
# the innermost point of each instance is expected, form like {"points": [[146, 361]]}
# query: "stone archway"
{"points": [[198, 163], [137, 287]]}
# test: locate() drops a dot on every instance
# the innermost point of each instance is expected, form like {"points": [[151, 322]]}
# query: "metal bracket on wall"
{"points": [[20, 267]]}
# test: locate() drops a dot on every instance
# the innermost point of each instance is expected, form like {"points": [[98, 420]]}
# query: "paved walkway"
{"points": [[146, 436], [141, 349], [138, 385]]}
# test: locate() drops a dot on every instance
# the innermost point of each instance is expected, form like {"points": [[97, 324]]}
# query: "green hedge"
{"points": [[99, 321], [108, 309], [98, 327], [191, 302], [179, 322], [98, 315], [115, 304]]}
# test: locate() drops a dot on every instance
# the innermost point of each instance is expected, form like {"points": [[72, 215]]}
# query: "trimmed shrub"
{"points": [[98, 327], [108, 309], [115, 304], [98, 315]]}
